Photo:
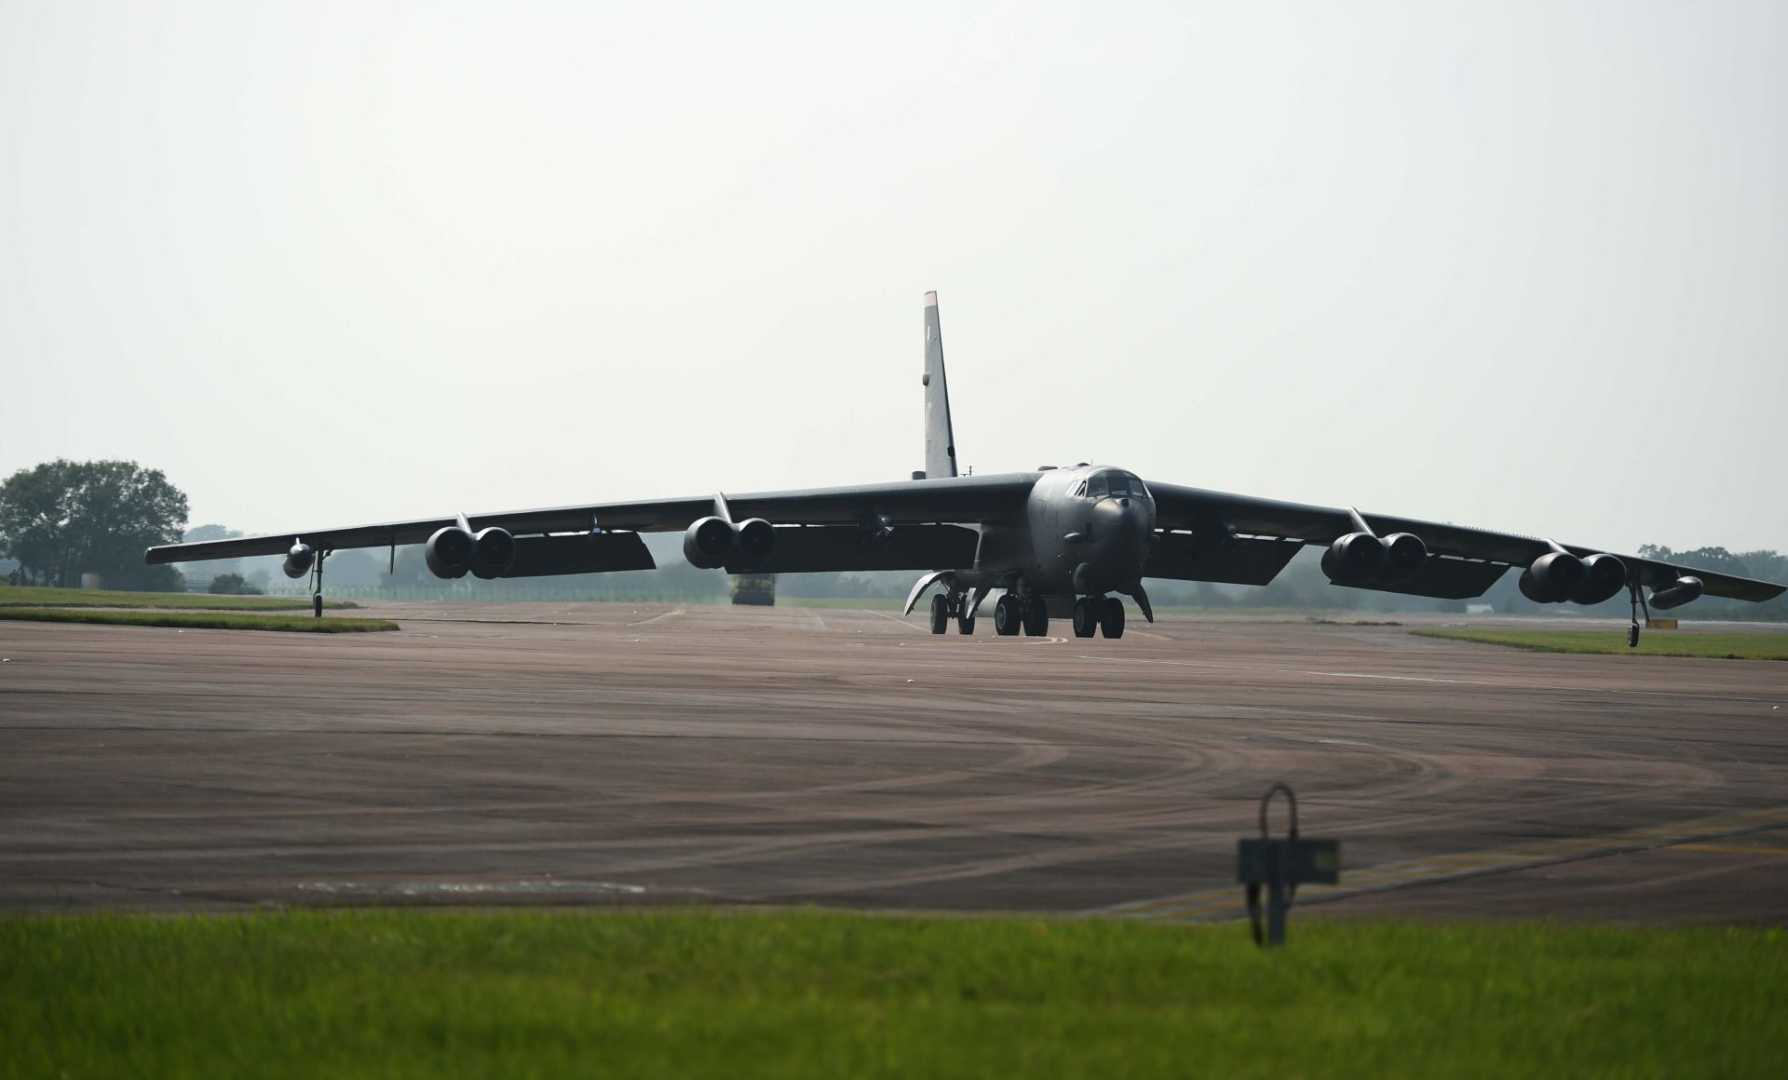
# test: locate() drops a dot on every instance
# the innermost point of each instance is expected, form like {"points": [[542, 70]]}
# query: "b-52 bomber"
{"points": [[1052, 543]]}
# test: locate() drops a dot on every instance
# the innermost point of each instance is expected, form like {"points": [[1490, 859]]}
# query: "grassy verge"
{"points": [[1613, 641], [23, 596], [195, 620], [807, 994]]}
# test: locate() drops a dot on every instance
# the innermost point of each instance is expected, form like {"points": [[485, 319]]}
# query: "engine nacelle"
{"points": [[754, 540], [713, 542], [1552, 578], [493, 552], [1355, 558], [1686, 589], [1603, 576], [449, 552], [708, 542], [299, 559], [1404, 554]]}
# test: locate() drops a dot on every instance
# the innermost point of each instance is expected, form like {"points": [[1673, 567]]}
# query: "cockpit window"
{"points": [[1115, 485]]}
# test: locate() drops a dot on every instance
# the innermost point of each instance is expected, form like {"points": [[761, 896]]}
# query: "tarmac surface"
{"points": [[625, 754]]}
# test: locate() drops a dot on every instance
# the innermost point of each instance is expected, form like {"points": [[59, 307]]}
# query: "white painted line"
{"points": [[660, 615], [1393, 678]]}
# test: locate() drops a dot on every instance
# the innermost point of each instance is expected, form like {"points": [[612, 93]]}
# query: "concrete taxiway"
{"points": [[607, 753]]}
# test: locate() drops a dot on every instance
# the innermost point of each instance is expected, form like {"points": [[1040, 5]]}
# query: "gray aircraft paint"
{"points": [[940, 439], [1053, 535]]}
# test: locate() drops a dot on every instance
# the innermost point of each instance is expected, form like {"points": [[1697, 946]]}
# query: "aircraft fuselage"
{"points": [[1085, 530]]}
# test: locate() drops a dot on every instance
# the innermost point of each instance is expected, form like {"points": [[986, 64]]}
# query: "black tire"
{"points": [[316, 605], [1006, 616], [1111, 620], [1086, 624], [940, 613], [1036, 617], [965, 624]]}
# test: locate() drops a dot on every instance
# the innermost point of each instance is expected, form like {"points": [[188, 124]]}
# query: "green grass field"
{"points": [[195, 620], [23, 596], [434, 994], [1761, 645]]}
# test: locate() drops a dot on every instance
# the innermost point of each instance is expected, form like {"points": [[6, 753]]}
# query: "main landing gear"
{"points": [[1015, 613], [1012, 613], [1098, 613], [947, 606]]}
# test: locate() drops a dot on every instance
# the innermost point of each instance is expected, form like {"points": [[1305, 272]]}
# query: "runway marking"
{"points": [[661, 615], [1140, 660], [1736, 849], [1226, 903], [1394, 678]]}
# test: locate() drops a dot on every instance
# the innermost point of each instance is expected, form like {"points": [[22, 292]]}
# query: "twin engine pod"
{"points": [[453, 551], [299, 560], [1559, 576], [713, 542], [1360, 558]]}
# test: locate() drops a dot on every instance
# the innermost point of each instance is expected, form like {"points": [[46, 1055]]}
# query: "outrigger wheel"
{"points": [[940, 613]]}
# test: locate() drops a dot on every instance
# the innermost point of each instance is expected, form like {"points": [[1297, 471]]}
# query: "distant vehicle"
{"points": [[754, 589], [1055, 541]]}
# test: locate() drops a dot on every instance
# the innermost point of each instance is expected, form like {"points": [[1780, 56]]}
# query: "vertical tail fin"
{"points": [[940, 440]]}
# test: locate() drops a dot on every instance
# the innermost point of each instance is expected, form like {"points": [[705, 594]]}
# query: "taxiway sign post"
{"points": [[1279, 867]]}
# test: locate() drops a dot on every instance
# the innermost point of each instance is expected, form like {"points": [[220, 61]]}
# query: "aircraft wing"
{"points": [[939, 505], [1216, 532]]}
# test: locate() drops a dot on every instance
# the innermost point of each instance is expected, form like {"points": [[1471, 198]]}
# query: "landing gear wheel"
{"points": [[965, 624], [940, 614], [316, 605], [1036, 617], [1111, 619], [1085, 622], [1006, 616]]}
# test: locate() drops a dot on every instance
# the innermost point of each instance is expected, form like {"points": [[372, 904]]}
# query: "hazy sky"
{"points": [[1522, 266]]}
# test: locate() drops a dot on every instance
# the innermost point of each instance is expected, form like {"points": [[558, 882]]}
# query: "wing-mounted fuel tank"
{"points": [[1680, 592], [299, 560]]}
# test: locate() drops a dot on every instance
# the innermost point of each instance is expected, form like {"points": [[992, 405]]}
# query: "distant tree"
{"points": [[65, 518], [233, 585]]}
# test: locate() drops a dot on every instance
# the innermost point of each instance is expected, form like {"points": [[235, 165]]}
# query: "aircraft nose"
{"points": [[1120, 527]]}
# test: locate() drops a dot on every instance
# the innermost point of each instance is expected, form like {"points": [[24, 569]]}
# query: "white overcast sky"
{"points": [[1515, 265]]}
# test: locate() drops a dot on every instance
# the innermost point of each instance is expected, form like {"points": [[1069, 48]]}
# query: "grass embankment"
{"points": [[195, 620], [34, 596], [436, 994], [1613, 641]]}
